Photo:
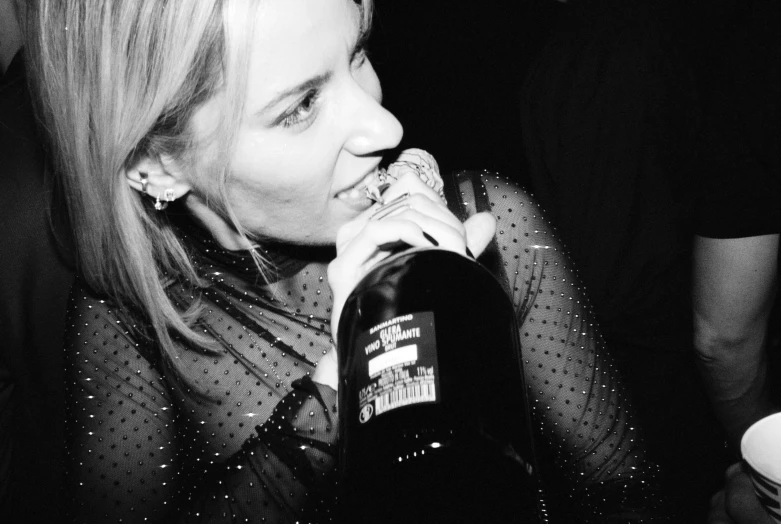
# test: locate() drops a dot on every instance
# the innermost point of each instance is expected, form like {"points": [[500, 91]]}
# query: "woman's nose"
{"points": [[373, 128]]}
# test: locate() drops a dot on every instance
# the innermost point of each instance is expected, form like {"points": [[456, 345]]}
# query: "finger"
{"points": [[441, 234], [717, 514], [421, 204], [391, 205], [741, 502], [439, 211], [479, 230], [733, 470], [377, 238], [358, 253], [431, 218], [373, 237], [362, 253], [411, 183]]}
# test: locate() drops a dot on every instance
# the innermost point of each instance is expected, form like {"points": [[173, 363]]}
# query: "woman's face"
{"points": [[313, 126]]}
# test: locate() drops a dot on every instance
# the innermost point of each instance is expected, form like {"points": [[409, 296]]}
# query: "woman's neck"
{"points": [[223, 233]]}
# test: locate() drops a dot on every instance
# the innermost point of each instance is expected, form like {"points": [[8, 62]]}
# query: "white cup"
{"points": [[761, 449]]}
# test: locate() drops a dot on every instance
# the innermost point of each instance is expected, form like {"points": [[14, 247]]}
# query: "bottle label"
{"points": [[399, 359]]}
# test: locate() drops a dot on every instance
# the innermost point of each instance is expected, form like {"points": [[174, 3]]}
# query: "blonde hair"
{"points": [[116, 80]]}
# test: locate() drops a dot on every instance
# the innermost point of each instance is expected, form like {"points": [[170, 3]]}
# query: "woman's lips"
{"points": [[359, 189], [357, 195], [369, 189]]}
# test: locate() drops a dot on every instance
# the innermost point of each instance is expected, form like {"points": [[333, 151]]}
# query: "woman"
{"points": [[212, 153]]}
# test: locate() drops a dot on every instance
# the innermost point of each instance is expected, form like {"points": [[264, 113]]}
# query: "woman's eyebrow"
{"points": [[318, 80], [303, 87]]}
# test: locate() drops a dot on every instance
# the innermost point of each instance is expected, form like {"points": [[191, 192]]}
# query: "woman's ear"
{"points": [[158, 177]]}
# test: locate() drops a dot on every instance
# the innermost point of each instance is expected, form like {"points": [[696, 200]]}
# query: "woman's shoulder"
{"points": [[524, 236], [86, 302], [95, 319], [484, 190]]}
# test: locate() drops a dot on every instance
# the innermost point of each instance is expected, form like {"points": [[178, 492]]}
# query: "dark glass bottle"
{"points": [[434, 423]]}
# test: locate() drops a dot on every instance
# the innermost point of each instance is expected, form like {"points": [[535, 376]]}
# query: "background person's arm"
{"points": [[734, 286]]}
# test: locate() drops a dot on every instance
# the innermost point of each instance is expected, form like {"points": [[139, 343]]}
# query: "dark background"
{"points": [[451, 70], [451, 73]]}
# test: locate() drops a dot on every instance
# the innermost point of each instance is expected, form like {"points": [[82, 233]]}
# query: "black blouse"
{"points": [[242, 434]]}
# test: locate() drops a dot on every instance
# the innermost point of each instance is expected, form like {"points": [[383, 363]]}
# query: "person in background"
{"points": [[737, 226], [609, 116], [214, 157], [738, 221], [35, 279]]}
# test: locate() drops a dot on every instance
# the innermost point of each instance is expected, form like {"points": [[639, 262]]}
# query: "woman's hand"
{"points": [[737, 503], [418, 218]]}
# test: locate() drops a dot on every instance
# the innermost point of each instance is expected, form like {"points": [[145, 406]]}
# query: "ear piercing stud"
{"points": [[144, 182]]}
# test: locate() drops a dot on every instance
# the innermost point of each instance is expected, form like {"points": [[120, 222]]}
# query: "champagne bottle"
{"points": [[434, 423]]}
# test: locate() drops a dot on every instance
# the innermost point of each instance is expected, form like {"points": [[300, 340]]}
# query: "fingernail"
{"points": [[374, 193]]}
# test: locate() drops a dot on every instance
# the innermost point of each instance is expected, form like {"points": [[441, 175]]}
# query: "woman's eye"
{"points": [[302, 112]]}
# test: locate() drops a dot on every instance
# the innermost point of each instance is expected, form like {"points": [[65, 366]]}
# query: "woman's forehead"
{"points": [[291, 42], [298, 39]]}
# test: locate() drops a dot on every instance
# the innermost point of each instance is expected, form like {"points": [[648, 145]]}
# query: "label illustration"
{"points": [[399, 357]]}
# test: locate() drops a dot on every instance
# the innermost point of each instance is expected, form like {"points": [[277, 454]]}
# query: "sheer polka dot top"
{"points": [[241, 433]]}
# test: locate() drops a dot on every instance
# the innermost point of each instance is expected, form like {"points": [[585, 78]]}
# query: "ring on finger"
{"points": [[391, 207]]}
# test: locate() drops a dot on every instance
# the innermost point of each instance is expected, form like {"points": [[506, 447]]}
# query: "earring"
{"points": [[144, 182], [168, 196], [160, 204]]}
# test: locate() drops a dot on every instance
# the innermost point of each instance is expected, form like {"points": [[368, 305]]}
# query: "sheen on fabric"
{"points": [[241, 434]]}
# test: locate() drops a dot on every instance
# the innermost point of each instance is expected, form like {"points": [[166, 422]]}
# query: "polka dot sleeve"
{"points": [[243, 434], [122, 449], [583, 419], [139, 449]]}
